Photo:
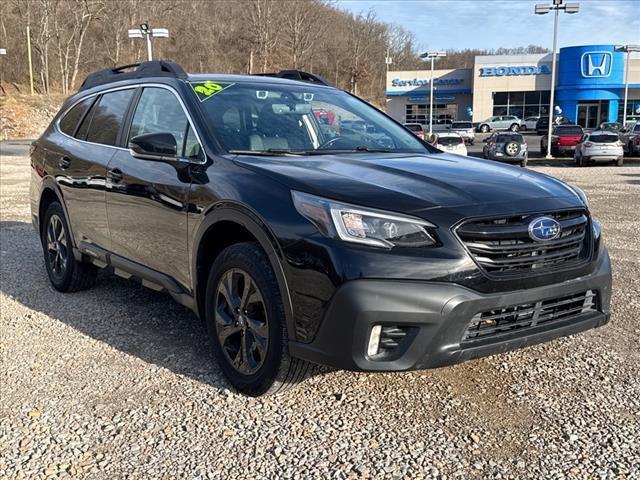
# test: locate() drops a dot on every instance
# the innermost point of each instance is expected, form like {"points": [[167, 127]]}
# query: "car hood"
{"points": [[408, 182]]}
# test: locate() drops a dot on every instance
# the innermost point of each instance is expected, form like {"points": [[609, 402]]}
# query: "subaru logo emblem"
{"points": [[544, 228], [596, 64]]}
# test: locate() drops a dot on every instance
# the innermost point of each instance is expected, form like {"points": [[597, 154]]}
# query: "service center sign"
{"points": [[506, 71]]}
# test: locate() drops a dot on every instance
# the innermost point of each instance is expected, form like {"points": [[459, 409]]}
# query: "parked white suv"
{"points": [[599, 146], [465, 130]]}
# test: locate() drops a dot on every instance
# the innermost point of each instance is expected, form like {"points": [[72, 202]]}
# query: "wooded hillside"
{"points": [[73, 37]]}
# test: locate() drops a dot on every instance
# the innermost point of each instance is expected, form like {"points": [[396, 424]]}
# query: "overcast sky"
{"points": [[442, 24]]}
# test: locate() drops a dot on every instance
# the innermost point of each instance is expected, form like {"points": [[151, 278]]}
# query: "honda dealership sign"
{"points": [[596, 64], [514, 71]]}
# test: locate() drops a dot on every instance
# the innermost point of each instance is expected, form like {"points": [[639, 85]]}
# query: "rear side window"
{"points": [[108, 115], [603, 138], [159, 111], [510, 137], [568, 130], [69, 122]]}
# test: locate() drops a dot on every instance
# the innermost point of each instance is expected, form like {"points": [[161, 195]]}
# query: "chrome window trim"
{"points": [[132, 87]]}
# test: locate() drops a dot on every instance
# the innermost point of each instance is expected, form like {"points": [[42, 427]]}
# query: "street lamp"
{"points": [[628, 49], [542, 9], [432, 56], [145, 32]]}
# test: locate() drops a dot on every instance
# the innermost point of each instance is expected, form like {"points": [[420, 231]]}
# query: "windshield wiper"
{"points": [[269, 152]]}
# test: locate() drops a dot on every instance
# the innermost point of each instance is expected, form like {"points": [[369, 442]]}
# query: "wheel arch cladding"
{"points": [[227, 226], [47, 197]]}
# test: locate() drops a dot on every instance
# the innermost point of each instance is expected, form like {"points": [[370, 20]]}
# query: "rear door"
{"points": [[86, 151], [147, 200]]}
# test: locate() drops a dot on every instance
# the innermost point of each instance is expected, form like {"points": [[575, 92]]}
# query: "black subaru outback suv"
{"points": [[304, 226]]}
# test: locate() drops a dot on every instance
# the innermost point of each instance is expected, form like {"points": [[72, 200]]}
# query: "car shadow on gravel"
{"points": [[121, 313]]}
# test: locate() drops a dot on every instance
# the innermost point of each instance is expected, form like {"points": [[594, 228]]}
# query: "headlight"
{"points": [[361, 225], [581, 194]]}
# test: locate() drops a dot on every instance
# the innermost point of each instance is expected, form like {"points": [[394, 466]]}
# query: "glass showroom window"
{"points": [[419, 112], [521, 104]]}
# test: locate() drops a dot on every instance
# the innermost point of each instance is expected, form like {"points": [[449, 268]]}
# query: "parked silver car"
{"points": [[599, 146], [465, 130], [500, 122], [529, 123], [508, 147]]}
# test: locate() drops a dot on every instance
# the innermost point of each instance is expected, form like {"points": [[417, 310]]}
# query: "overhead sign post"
{"points": [[145, 32], [432, 56], [542, 9], [628, 49]]}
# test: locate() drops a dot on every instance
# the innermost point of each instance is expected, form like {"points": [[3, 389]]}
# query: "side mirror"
{"points": [[154, 146]]}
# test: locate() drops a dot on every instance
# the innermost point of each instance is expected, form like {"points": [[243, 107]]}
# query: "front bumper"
{"points": [[438, 315]]}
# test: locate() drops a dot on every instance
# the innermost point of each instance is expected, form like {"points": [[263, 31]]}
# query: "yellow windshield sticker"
{"points": [[206, 90]]}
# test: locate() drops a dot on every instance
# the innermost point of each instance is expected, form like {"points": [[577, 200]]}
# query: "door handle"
{"points": [[64, 162], [115, 175]]}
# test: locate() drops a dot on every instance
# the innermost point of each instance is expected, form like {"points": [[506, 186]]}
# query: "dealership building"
{"points": [[589, 87]]}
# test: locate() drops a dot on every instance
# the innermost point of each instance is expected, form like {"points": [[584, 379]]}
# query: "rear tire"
{"points": [[514, 127], [66, 274], [246, 323], [484, 128]]}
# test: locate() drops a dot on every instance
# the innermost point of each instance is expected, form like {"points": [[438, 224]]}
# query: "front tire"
{"points": [[246, 323], [66, 274], [484, 128], [515, 127]]}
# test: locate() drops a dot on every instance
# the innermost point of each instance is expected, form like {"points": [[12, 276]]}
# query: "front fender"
{"points": [[242, 215]]}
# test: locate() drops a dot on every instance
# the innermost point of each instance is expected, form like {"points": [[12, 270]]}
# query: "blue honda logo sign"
{"points": [[544, 228], [596, 64]]}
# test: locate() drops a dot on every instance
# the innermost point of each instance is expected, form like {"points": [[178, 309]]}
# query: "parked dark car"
{"points": [[542, 125], [564, 139], [297, 245], [614, 127]]}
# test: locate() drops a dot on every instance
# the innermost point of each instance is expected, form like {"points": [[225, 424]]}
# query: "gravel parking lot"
{"points": [[117, 382]]}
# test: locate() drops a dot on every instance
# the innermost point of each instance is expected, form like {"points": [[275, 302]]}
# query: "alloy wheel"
{"points": [[57, 249], [241, 321]]}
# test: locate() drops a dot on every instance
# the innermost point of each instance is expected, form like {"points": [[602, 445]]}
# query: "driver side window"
{"points": [[159, 111]]}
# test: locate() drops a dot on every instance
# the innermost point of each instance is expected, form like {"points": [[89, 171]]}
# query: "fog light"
{"points": [[374, 340]]}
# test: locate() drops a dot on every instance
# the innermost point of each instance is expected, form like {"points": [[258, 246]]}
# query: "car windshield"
{"points": [[603, 138], [573, 130], [275, 119], [509, 137], [461, 125]]}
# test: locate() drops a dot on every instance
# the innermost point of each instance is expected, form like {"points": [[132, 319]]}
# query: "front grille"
{"points": [[502, 246], [505, 320]]}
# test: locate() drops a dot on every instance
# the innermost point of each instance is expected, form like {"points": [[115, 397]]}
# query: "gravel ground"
{"points": [[117, 382]]}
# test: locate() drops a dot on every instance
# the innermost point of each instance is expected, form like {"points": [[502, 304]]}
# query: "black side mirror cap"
{"points": [[154, 146]]}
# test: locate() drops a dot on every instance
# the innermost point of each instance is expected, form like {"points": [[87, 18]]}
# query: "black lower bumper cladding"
{"points": [[442, 321]]}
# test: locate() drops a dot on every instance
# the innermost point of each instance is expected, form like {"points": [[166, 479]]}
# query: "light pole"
{"points": [[628, 49], [3, 51], [542, 9], [145, 32], [432, 56]]}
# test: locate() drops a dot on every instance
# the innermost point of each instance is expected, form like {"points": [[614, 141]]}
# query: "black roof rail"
{"points": [[155, 68], [297, 75]]}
